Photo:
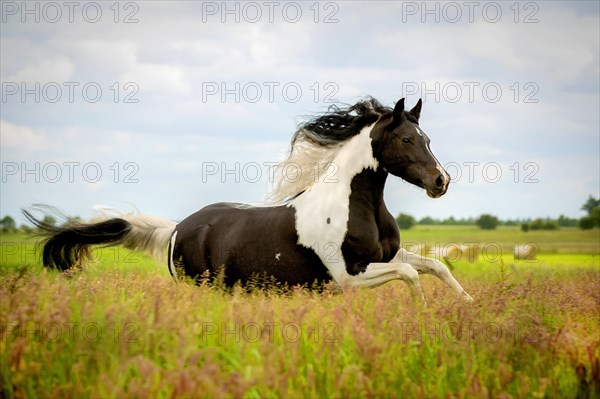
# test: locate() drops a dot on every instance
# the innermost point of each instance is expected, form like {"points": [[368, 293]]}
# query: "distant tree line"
{"points": [[592, 207], [8, 224], [490, 222]]}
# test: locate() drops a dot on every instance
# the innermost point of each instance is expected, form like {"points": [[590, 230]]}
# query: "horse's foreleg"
{"points": [[424, 265]]}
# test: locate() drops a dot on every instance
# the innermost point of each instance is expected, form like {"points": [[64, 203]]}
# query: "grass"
{"points": [[124, 328]]}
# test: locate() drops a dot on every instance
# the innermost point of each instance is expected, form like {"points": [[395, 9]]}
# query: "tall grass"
{"points": [[124, 328]]}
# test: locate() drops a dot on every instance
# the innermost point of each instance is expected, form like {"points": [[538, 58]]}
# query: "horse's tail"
{"points": [[69, 245]]}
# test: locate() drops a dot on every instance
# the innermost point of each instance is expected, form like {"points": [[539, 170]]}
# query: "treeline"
{"points": [[490, 222], [8, 224], [562, 221]]}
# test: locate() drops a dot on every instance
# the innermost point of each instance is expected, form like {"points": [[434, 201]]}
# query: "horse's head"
{"points": [[402, 148]]}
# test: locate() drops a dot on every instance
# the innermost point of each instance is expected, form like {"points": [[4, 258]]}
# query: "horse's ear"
{"points": [[416, 111], [399, 108]]}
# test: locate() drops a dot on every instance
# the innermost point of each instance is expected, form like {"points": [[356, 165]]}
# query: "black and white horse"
{"points": [[319, 227]]}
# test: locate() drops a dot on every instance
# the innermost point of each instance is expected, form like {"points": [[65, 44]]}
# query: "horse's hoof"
{"points": [[467, 297]]}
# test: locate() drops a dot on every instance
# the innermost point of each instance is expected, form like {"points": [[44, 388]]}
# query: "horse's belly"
{"points": [[248, 243]]}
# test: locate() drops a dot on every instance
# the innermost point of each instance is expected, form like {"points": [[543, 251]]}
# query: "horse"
{"points": [[332, 227]]}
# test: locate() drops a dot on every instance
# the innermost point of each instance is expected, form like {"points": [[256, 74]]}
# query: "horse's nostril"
{"points": [[439, 182]]}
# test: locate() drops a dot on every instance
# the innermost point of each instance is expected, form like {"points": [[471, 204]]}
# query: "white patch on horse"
{"points": [[437, 163], [171, 263], [439, 167], [278, 256], [329, 199]]}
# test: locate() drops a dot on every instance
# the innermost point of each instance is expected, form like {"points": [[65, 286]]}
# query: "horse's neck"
{"points": [[367, 190], [356, 155], [359, 171], [323, 210]]}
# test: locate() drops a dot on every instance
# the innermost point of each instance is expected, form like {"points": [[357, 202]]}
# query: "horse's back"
{"points": [[247, 242]]}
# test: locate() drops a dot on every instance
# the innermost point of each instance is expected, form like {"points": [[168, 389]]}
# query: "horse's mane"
{"points": [[316, 143], [339, 124]]}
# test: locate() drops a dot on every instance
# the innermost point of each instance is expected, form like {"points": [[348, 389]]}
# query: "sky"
{"points": [[165, 107]]}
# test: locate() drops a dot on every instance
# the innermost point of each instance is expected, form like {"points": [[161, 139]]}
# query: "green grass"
{"points": [[123, 328]]}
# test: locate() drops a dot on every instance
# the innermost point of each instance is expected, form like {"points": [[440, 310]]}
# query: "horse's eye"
{"points": [[405, 140]]}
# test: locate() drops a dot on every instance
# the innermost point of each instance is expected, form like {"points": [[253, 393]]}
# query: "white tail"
{"points": [[149, 234]]}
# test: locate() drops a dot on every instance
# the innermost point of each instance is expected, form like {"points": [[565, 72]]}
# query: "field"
{"points": [[123, 328]]}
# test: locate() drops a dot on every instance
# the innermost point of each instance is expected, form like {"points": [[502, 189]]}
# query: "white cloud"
{"points": [[22, 138], [539, 49], [56, 68], [157, 77], [111, 56], [560, 47]]}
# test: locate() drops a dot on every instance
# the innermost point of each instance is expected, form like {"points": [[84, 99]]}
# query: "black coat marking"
{"points": [[245, 240]]}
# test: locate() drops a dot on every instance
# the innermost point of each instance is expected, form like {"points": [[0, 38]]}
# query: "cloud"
{"points": [[112, 56], [22, 138], [157, 77], [539, 49], [53, 69]]}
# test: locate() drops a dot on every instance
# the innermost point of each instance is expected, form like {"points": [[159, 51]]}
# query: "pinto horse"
{"points": [[318, 227]]}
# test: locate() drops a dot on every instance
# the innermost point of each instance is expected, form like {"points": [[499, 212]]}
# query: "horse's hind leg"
{"points": [[377, 274], [425, 265], [189, 253]]}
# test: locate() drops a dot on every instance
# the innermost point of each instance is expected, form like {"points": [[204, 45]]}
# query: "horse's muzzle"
{"points": [[439, 186]]}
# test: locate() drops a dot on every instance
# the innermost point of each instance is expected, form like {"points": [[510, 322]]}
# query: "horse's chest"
{"points": [[345, 239], [340, 224], [369, 240]]}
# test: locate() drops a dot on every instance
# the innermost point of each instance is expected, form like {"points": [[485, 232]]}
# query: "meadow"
{"points": [[124, 328]]}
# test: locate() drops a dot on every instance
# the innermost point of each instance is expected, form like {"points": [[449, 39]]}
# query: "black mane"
{"points": [[339, 124]]}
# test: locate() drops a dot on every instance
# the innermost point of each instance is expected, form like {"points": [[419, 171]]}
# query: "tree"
{"points": [[586, 223], [543, 224], [564, 221], [427, 220], [487, 222], [450, 221], [550, 225], [8, 224], [405, 221], [595, 215], [592, 220], [592, 207], [590, 204]]}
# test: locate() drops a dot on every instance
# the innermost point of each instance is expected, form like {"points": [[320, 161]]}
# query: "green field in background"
{"points": [[565, 240]]}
